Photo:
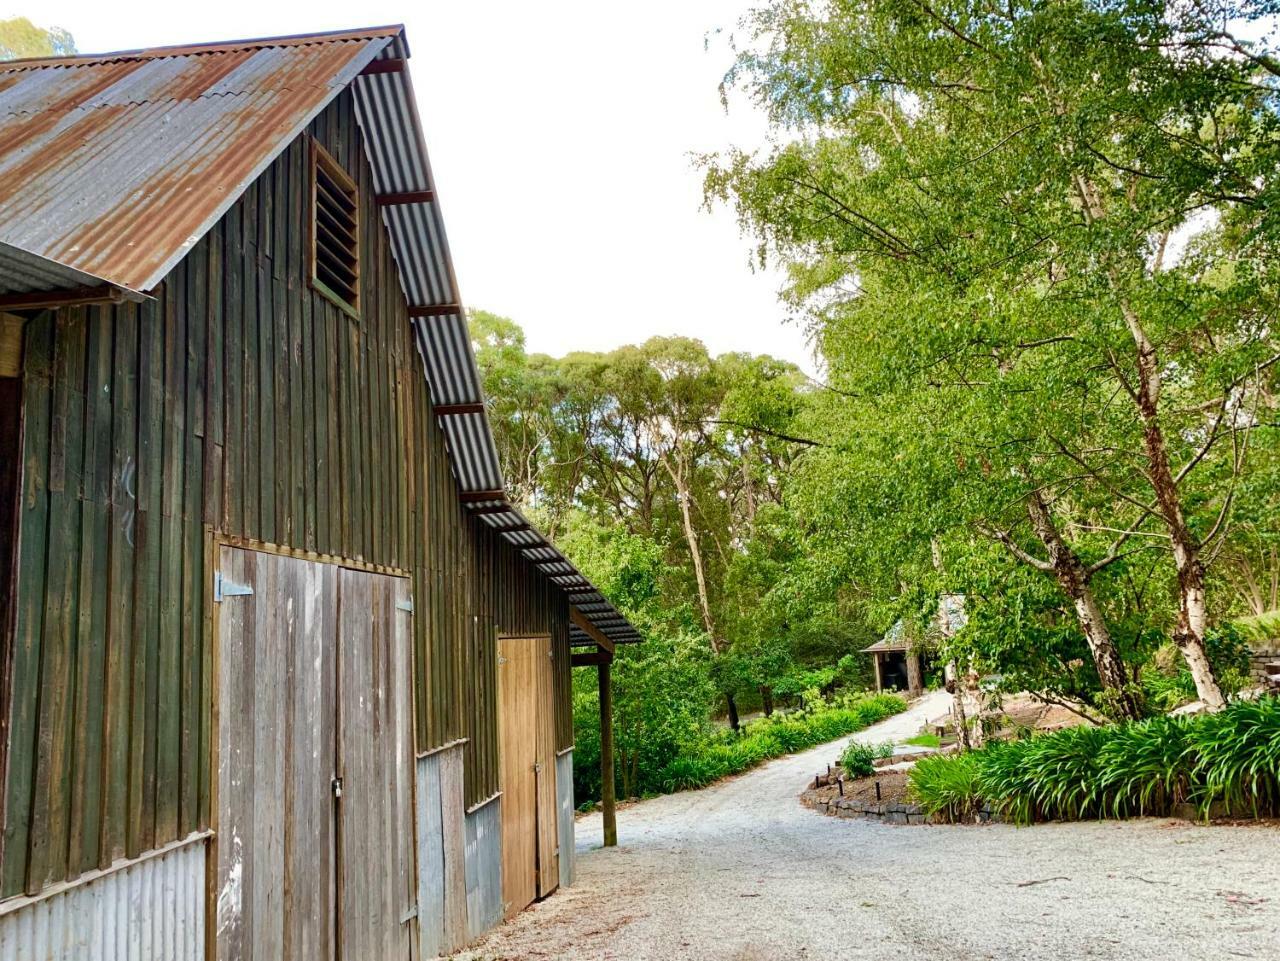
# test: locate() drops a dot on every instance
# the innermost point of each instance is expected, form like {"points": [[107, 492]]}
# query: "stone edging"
{"points": [[898, 813]]}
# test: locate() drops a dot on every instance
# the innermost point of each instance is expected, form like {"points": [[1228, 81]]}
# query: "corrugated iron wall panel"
{"points": [[151, 910], [564, 816], [484, 867]]}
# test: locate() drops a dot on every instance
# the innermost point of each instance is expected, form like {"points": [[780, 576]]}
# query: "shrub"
{"points": [[946, 785], [1123, 770], [724, 754], [858, 759], [1237, 757], [1142, 767]]}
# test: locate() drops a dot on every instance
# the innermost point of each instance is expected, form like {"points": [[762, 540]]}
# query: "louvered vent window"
{"points": [[335, 232]]}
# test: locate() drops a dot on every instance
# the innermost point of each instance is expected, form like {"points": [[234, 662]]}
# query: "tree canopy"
{"points": [[1036, 242], [20, 38]]}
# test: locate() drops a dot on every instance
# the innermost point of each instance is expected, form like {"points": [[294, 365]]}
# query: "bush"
{"points": [[1123, 770], [946, 786], [858, 759], [724, 754], [1237, 757]]}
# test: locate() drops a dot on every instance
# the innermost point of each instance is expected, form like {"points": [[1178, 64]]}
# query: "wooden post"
{"points": [[915, 676], [876, 661], [607, 800]]}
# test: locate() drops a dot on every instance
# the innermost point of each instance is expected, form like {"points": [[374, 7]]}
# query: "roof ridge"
{"points": [[200, 49]]}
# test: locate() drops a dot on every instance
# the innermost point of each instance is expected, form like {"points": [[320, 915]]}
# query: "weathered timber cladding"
{"points": [[238, 402]]}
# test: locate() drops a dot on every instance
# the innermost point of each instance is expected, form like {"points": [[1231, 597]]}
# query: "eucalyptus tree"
{"points": [[19, 37], [1056, 215]]}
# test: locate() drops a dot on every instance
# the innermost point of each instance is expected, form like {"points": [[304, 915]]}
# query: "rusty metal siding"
{"points": [[149, 910]]}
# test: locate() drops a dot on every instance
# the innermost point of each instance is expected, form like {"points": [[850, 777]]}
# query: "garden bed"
{"points": [[860, 800]]}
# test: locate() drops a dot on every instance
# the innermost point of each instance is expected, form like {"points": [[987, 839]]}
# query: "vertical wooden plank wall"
{"points": [[236, 401]]}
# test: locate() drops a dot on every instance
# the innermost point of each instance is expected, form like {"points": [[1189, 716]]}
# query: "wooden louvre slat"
{"points": [[335, 232], [346, 230]]}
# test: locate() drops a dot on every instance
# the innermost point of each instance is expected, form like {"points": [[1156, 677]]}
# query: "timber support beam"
{"points": [[608, 799], [80, 296], [593, 659], [581, 623], [405, 197]]}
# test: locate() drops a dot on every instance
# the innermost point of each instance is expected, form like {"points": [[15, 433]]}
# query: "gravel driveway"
{"points": [[741, 871]]}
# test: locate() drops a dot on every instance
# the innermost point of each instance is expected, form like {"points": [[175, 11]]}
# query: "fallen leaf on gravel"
{"points": [[1240, 897]]}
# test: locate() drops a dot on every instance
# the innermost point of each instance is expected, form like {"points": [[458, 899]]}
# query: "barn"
{"points": [[283, 673]]}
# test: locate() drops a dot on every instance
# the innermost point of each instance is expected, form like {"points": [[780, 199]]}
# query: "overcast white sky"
{"points": [[561, 135]]}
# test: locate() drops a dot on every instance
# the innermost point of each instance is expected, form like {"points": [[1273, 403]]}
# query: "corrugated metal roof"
{"points": [[117, 165], [22, 272], [113, 166], [388, 114]]}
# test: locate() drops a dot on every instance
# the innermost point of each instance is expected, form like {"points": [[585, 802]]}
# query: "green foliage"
{"points": [[946, 786], [1167, 684], [1126, 770], [924, 740], [858, 759], [19, 37], [1001, 221], [1237, 757], [725, 754]]}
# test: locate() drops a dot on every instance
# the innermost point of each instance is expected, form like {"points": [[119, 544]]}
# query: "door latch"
{"points": [[336, 784]]}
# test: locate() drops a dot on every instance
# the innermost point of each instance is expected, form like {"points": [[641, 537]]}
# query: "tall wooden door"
{"points": [[376, 761], [314, 832], [276, 878], [530, 866]]}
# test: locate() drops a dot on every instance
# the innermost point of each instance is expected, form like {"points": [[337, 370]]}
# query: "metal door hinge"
{"points": [[409, 915], [225, 587], [336, 784], [405, 606], [537, 768]]}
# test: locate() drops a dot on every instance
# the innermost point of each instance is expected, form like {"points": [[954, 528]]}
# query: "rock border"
{"points": [[898, 813]]}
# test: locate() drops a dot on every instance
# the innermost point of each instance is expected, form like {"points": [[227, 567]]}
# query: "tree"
{"points": [[1071, 200], [20, 38], [683, 451]]}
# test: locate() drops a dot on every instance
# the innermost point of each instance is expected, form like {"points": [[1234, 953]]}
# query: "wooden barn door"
{"points": [[276, 758], [315, 762], [376, 763], [530, 868]]}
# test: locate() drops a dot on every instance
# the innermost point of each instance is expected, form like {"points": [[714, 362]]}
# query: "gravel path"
{"points": [[740, 871]]}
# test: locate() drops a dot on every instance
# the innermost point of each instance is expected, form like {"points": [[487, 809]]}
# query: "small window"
{"points": [[335, 232]]}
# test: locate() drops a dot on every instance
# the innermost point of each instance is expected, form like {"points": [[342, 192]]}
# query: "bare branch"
{"points": [[1013, 548]]}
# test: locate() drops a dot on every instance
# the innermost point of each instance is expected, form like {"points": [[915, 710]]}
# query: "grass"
{"points": [[1231, 758], [725, 754], [924, 740]]}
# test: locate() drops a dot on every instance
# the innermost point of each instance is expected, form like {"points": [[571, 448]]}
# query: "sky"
{"points": [[562, 137]]}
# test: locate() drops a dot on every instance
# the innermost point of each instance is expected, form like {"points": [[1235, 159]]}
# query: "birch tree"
{"points": [[1076, 197]]}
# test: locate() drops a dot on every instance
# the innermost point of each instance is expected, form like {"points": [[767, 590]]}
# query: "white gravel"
{"points": [[741, 871]]}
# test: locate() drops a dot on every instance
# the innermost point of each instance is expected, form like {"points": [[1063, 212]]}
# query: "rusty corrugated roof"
{"points": [[115, 165]]}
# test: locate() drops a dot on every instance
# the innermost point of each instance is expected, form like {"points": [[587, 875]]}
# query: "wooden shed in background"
{"points": [[276, 650]]}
